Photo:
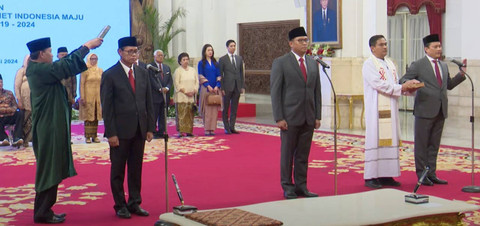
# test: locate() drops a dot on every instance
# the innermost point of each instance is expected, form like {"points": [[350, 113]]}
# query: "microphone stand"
{"points": [[334, 130], [472, 188], [165, 138]]}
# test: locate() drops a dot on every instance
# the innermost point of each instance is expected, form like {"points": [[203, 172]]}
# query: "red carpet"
{"points": [[213, 172], [244, 110]]}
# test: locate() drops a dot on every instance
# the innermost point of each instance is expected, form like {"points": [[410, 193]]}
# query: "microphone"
{"points": [[153, 68], [317, 58], [414, 197], [179, 193], [420, 181], [458, 63]]}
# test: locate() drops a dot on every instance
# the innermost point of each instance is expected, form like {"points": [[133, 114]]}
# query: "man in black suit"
{"points": [[161, 82], [297, 109], [431, 106], [128, 116], [233, 84]]}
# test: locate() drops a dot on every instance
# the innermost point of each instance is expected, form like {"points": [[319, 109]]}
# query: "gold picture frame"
{"points": [[325, 28]]}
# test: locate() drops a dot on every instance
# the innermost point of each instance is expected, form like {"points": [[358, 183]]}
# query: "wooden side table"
{"points": [[351, 98]]}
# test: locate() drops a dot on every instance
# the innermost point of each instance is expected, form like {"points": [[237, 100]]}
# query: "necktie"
{"points": [[131, 79], [233, 62], [437, 73], [161, 71], [324, 15], [303, 69]]}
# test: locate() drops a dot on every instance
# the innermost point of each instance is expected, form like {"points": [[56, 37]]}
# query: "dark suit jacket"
{"points": [[324, 30], [430, 98], [122, 109], [292, 99], [166, 81], [230, 74]]}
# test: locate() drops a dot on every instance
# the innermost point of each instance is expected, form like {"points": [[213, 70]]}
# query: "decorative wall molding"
{"points": [[259, 44]]}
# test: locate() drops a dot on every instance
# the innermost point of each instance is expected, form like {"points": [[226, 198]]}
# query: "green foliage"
{"points": [[167, 32], [162, 34], [75, 114]]}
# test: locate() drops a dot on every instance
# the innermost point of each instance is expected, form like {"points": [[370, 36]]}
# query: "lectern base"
{"points": [[184, 209], [416, 199], [471, 189]]}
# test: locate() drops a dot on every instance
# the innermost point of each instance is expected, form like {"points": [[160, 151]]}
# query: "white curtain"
{"points": [[395, 41], [406, 47], [417, 28]]}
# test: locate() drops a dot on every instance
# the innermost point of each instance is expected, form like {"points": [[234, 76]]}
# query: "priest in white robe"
{"points": [[382, 137]]}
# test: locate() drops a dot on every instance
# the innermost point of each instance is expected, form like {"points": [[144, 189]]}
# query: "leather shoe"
{"points": [[437, 180], [234, 131], [227, 131], [388, 181], [138, 211], [427, 182], [373, 183], [60, 215], [52, 220], [289, 195], [306, 193], [123, 213]]}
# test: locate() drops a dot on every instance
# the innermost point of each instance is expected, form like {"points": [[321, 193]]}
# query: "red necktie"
{"points": [[131, 79], [437, 73], [161, 71], [303, 69]]}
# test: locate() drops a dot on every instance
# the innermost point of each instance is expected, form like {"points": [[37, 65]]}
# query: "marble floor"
{"points": [[457, 130]]}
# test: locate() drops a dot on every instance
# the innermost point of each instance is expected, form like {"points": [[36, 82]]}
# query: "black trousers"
{"points": [[295, 149], [17, 120], [42, 209], [428, 134], [129, 153], [159, 111], [231, 98]]}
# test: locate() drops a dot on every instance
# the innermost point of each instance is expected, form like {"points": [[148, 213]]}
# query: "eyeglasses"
{"points": [[132, 52], [93, 58], [304, 40]]}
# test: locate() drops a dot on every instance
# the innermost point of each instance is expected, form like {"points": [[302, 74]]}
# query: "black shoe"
{"points": [[123, 213], [138, 211], [234, 131], [52, 220], [373, 183], [388, 181], [228, 131], [289, 195], [189, 135], [17, 142], [60, 215], [306, 193], [427, 182], [437, 180]]}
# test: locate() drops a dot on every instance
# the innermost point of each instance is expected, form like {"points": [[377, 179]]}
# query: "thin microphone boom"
{"points": [[458, 63], [317, 58], [153, 68], [420, 181]]}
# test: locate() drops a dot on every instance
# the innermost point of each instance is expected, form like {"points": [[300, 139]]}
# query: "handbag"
{"points": [[214, 99]]}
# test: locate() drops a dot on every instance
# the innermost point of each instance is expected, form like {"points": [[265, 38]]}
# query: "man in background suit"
{"points": [[233, 84], [161, 83], [128, 116], [431, 106], [325, 24], [296, 103]]}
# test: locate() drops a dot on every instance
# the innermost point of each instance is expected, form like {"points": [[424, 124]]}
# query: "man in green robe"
{"points": [[50, 117]]}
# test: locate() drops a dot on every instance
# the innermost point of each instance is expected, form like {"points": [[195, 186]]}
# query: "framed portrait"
{"points": [[324, 22]]}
